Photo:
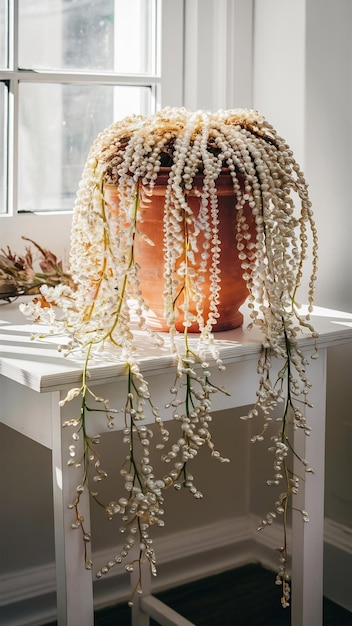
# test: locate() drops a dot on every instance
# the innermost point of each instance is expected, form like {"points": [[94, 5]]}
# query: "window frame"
{"points": [[186, 77], [166, 85]]}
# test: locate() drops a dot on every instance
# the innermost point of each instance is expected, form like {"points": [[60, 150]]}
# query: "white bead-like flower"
{"points": [[107, 306]]}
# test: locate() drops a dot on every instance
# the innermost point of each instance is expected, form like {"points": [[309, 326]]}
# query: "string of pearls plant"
{"points": [[98, 311]]}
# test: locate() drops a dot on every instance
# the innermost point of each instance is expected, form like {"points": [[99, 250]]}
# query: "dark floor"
{"points": [[247, 596]]}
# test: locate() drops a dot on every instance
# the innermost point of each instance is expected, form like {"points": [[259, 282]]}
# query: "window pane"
{"points": [[3, 34], [58, 124], [3, 145], [96, 35]]}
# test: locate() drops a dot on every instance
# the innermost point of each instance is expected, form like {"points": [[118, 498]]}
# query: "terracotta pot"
{"points": [[150, 258]]}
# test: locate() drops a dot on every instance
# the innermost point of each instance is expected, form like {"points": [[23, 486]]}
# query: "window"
{"points": [[68, 69]]}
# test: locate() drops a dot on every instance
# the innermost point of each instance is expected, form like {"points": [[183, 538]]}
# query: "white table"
{"points": [[40, 377]]}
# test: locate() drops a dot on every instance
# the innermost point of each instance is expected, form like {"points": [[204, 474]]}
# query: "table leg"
{"points": [[308, 537], [138, 616], [74, 582], [145, 605]]}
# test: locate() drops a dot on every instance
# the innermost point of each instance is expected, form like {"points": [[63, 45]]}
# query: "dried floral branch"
{"points": [[24, 275]]}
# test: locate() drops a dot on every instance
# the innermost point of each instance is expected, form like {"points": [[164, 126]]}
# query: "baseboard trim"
{"points": [[338, 563], [27, 598], [186, 556], [29, 583], [338, 535]]}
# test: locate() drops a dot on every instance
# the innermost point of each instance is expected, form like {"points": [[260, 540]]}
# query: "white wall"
{"points": [[302, 83], [279, 68], [50, 231], [218, 54], [328, 129], [329, 167]]}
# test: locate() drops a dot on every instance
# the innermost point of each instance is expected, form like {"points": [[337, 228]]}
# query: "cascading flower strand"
{"points": [[274, 235]]}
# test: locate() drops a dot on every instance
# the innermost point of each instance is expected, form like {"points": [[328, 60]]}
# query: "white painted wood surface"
{"points": [[307, 537], [34, 372]]}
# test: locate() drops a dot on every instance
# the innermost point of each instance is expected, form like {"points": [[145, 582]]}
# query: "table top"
{"points": [[37, 363]]}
